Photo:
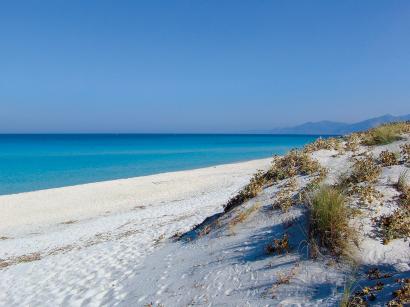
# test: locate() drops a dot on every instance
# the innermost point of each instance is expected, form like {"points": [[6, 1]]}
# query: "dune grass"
{"points": [[385, 134], [329, 218]]}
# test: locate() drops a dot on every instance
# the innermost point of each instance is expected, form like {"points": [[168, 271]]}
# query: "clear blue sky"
{"points": [[200, 66]]}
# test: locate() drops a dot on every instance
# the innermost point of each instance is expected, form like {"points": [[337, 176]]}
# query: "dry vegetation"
{"points": [[365, 170], [405, 153], [283, 278], [352, 142], [284, 198], [243, 215], [402, 295], [249, 191], [397, 224], [292, 164], [327, 143], [387, 158], [279, 246], [366, 194], [367, 293]]}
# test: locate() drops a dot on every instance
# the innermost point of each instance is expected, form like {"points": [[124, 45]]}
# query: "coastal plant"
{"points": [[360, 182], [405, 152], [365, 170], [395, 225], [387, 158], [401, 184], [293, 163], [251, 190], [352, 142], [367, 193], [284, 199], [329, 218], [386, 133], [243, 215], [401, 296], [28, 258], [404, 189], [279, 246], [323, 143]]}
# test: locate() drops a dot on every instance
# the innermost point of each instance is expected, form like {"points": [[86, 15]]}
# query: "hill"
{"points": [[337, 128]]}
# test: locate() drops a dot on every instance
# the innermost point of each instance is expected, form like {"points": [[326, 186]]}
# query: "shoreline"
{"points": [[138, 176], [21, 212]]}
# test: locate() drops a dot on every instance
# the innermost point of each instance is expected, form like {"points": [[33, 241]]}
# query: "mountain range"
{"points": [[337, 128]]}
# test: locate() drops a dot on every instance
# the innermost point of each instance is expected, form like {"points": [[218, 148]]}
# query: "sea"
{"points": [[30, 162]]}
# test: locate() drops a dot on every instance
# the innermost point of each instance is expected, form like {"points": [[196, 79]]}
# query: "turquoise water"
{"points": [[33, 162]]}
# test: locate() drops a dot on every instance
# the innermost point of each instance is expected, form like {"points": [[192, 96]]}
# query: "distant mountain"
{"points": [[336, 128]]}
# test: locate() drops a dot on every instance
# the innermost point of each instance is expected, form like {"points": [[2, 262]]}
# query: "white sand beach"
{"points": [[86, 239]]}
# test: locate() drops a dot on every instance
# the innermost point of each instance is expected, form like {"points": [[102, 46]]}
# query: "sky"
{"points": [[199, 66]]}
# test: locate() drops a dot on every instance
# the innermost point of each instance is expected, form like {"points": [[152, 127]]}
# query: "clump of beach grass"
{"points": [[402, 182], [404, 189], [385, 133], [329, 220]]}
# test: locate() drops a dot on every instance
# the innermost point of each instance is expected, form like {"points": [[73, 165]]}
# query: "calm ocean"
{"points": [[33, 162]]}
